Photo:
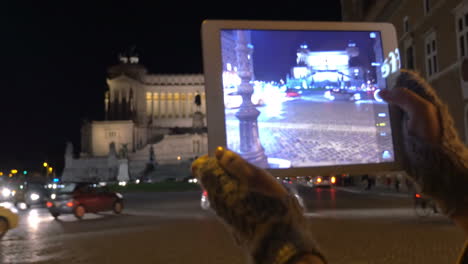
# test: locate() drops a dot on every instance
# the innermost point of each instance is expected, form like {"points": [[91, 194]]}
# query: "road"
{"points": [[351, 227]]}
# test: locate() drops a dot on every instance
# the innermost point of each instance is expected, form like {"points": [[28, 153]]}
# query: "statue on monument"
{"points": [[198, 116], [69, 149], [152, 157], [150, 166], [124, 151], [197, 100]]}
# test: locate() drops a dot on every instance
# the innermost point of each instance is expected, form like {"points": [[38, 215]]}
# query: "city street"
{"points": [[313, 130], [352, 226]]}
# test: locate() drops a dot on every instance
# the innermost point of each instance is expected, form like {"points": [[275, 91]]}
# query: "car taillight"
{"points": [[70, 204], [319, 180], [205, 193], [418, 195], [49, 204], [333, 180]]}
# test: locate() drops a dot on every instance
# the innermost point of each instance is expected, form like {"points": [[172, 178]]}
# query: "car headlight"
{"points": [[53, 196], [34, 196], [6, 192], [23, 206]]}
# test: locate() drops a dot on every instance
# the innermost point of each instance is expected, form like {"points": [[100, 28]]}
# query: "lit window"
{"points": [[228, 67], [431, 54]]}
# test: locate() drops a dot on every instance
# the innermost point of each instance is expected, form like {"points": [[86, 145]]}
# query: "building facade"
{"points": [[151, 121], [433, 40]]}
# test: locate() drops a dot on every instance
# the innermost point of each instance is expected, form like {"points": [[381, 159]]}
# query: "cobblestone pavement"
{"points": [[312, 132]]}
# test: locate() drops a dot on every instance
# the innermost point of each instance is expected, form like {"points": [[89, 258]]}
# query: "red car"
{"points": [[292, 93], [81, 198]]}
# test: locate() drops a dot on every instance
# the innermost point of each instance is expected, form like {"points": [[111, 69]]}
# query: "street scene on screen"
{"points": [[316, 93]]}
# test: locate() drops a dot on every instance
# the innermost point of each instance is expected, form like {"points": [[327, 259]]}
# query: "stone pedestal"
{"points": [[123, 171]]}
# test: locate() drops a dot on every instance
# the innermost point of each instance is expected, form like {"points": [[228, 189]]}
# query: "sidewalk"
{"points": [[378, 190]]}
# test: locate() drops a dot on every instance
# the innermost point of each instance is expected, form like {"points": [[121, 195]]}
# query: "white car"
{"points": [[325, 181], [8, 220]]}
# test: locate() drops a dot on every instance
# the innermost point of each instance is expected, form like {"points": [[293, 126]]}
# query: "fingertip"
{"points": [[383, 93], [219, 152]]}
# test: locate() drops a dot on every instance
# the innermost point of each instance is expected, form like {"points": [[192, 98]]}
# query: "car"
{"points": [[344, 94], [292, 93], [6, 193], [204, 202], [323, 181], [29, 194], [81, 198], [8, 220]]}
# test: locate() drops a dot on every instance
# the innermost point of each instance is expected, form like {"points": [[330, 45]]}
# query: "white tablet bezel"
{"points": [[212, 64]]}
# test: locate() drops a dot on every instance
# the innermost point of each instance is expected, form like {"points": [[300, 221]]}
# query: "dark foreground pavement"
{"points": [[352, 228]]}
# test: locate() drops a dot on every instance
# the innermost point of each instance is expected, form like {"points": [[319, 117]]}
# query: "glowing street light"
{"points": [[45, 164], [14, 171], [50, 169]]}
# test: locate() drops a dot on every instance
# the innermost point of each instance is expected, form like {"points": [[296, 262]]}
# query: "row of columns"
{"points": [[172, 105]]}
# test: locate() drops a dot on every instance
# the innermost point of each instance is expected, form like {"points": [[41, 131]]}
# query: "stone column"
{"points": [[250, 146], [149, 105], [156, 111]]}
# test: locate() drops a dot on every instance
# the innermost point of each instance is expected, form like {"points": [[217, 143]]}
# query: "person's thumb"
{"points": [[403, 98]]}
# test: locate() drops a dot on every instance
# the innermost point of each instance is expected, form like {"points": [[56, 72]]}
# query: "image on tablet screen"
{"points": [[305, 98]]}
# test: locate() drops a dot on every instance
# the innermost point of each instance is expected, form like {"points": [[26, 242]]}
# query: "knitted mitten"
{"points": [[272, 229], [440, 170]]}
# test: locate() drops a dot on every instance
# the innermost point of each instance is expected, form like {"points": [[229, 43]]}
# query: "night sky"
{"points": [[275, 50], [54, 58]]}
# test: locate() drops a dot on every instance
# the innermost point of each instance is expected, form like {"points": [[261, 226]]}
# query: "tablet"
{"points": [[301, 98]]}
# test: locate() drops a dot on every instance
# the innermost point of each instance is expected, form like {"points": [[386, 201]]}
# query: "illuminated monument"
{"points": [[154, 126], [325, 69]]}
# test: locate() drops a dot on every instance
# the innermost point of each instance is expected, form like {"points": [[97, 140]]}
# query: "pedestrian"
{"points": [[366, 178], [397, 184], [388, 181], [271, 226]]}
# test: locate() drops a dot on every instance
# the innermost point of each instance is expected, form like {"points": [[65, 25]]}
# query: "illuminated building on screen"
{"points": [[154, 123], [323, 69]]}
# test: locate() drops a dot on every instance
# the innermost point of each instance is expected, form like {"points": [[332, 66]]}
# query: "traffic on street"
{"points": [[175, 227]]}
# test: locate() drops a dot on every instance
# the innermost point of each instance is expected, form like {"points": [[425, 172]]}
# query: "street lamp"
{"points": [[48, 169]]}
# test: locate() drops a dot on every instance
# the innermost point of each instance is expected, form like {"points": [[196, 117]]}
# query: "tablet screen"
{"points": [[305, 98]]}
